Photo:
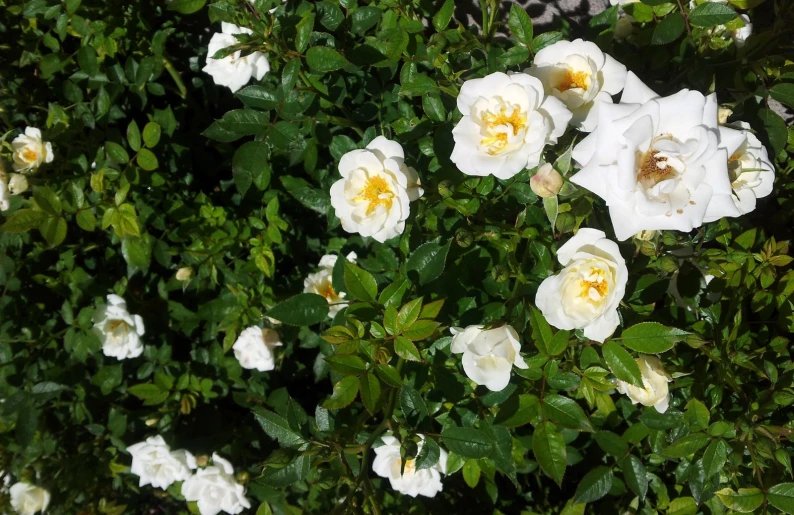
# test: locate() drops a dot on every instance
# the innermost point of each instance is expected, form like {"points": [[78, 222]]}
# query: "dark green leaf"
{"points": [[622, 364], [344, 393], [669, 29], [324, 59], [594, 485], [549, 449], [467, 442], [428, 260], [302, 309], [711, 14], [520, 24]]}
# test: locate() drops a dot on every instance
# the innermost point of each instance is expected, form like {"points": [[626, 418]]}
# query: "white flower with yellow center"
{"points": [[488, 355], [581, 75], [374, 194], [321, 283], [30, 151], [751, 173], [507, 121], [235, 70], [118, 330], [655, 391], [5, 193], [587, 292], [413, 482], [654, 160]]}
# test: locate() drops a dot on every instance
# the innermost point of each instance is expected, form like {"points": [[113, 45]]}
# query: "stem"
{"points": [[686, 18], [177, 78]]}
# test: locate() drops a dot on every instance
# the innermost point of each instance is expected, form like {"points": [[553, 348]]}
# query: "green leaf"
{"points": [[714, 458], [186, 6], [551, 207], [302, 309], [520, 25], [151, 134], [245, 122], [746, 500], [259, 97], [133, 135], [622, 364], [428, 260], [53, 230], [558, 343], [313, 198], [611, 443], [594, 485], [434, 107], [250, 161], [541, 330], [428, 454], [47, 200], [467, 442], [419, 84], [278, 428], [775, 128], [389, 375], [686, 446], [147, 160], [516, 55], [303, 32], [651, 337], [565, 412], [347, 364], [345, 392], [545, 39], [697, 415], [711, 14], [296, 471], [783, 92], [145, 391], [420, 330], [324, 59], [412, 405], [518, 411], [635, 475], [116, 152], [370, 392], [137, 251], [406, 349], [86, 220], [23, 221], [392, 295], [444, 15], [364, 18], [548, 446], [359, 283], [781, 496], [408, 314], [669, 29]]}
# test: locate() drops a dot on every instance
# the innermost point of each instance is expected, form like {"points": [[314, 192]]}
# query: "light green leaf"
{"points": [[622, 364], [359, 283], [781, 496], [444, 15], [345, 392], [651, 337], [686, 446], [565, 412], [711, 14], [520, 24], [746, 500]]}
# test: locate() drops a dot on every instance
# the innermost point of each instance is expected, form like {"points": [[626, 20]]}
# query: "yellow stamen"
{"points": [[328, 291], [600, 285], [654, 169], [30, 155], [516, 120], [572, 80], [377, 193]]}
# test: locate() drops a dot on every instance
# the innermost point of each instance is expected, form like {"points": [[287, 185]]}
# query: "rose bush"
{"points": [[368, 256]]}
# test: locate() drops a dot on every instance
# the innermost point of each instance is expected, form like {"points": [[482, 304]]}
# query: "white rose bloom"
{"points": [[411, 482], [234, 71], [215, 489], [581, 75], [118, 330], [488, 355], [255, 347], [751, 173], [28, 499], [587, 292], [321, 283], [507, 121], [5, 194], [655, 161], [740, 35], [30, 151], [374, 194], [17, 183], [157, 465], [655, 379]]}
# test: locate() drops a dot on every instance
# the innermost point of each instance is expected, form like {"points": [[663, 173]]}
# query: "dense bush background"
{"points": [[157, 169]]}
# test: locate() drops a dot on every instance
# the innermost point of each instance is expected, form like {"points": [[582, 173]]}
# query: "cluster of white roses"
{"points": [[29, 153], [213, 488]]}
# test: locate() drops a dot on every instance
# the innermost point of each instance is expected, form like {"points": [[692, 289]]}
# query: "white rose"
{"points": [[30, 151], [234, 71], [374, 194], [28, 499], [654, 378], [321, 283], [215, 489], [581, 75], [546, 182], [118, 330], [741, 34], [17, 183], [507, 121], [254, 348], [5, 194], [587, 292], [157, 465], [655, 161], [411, 482], [751, 173], [488, 355]]}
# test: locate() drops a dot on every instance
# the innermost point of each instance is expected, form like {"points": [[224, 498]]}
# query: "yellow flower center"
{"points": [[410, 467], [377, 193], [653, 169], [595, 286], [495, 139], [328, 291], [29, 155], [572, 79]]}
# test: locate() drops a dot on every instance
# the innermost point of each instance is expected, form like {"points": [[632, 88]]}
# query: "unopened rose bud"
{"points": [[151, 422], [645, 235], [242, 477], [624, 27], [17, 184], [184, 273], [445, 189], [723, 114], [202, 460], [546, 182], [464, 238]]}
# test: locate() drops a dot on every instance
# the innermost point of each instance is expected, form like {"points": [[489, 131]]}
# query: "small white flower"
{"points": [[255, 347], [587, 292], [546, 182], [17, 183], [5, 194], [234, 71], [582, 76], [157, 465], [30, 151], [751, 173], [488, 355], [321, 283], [507, 121], [655, 161], [374, 194], [28, 499], [184, 273], [215, 489], [741, 34], [118, 330], [388, 464], [654, 378]]}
